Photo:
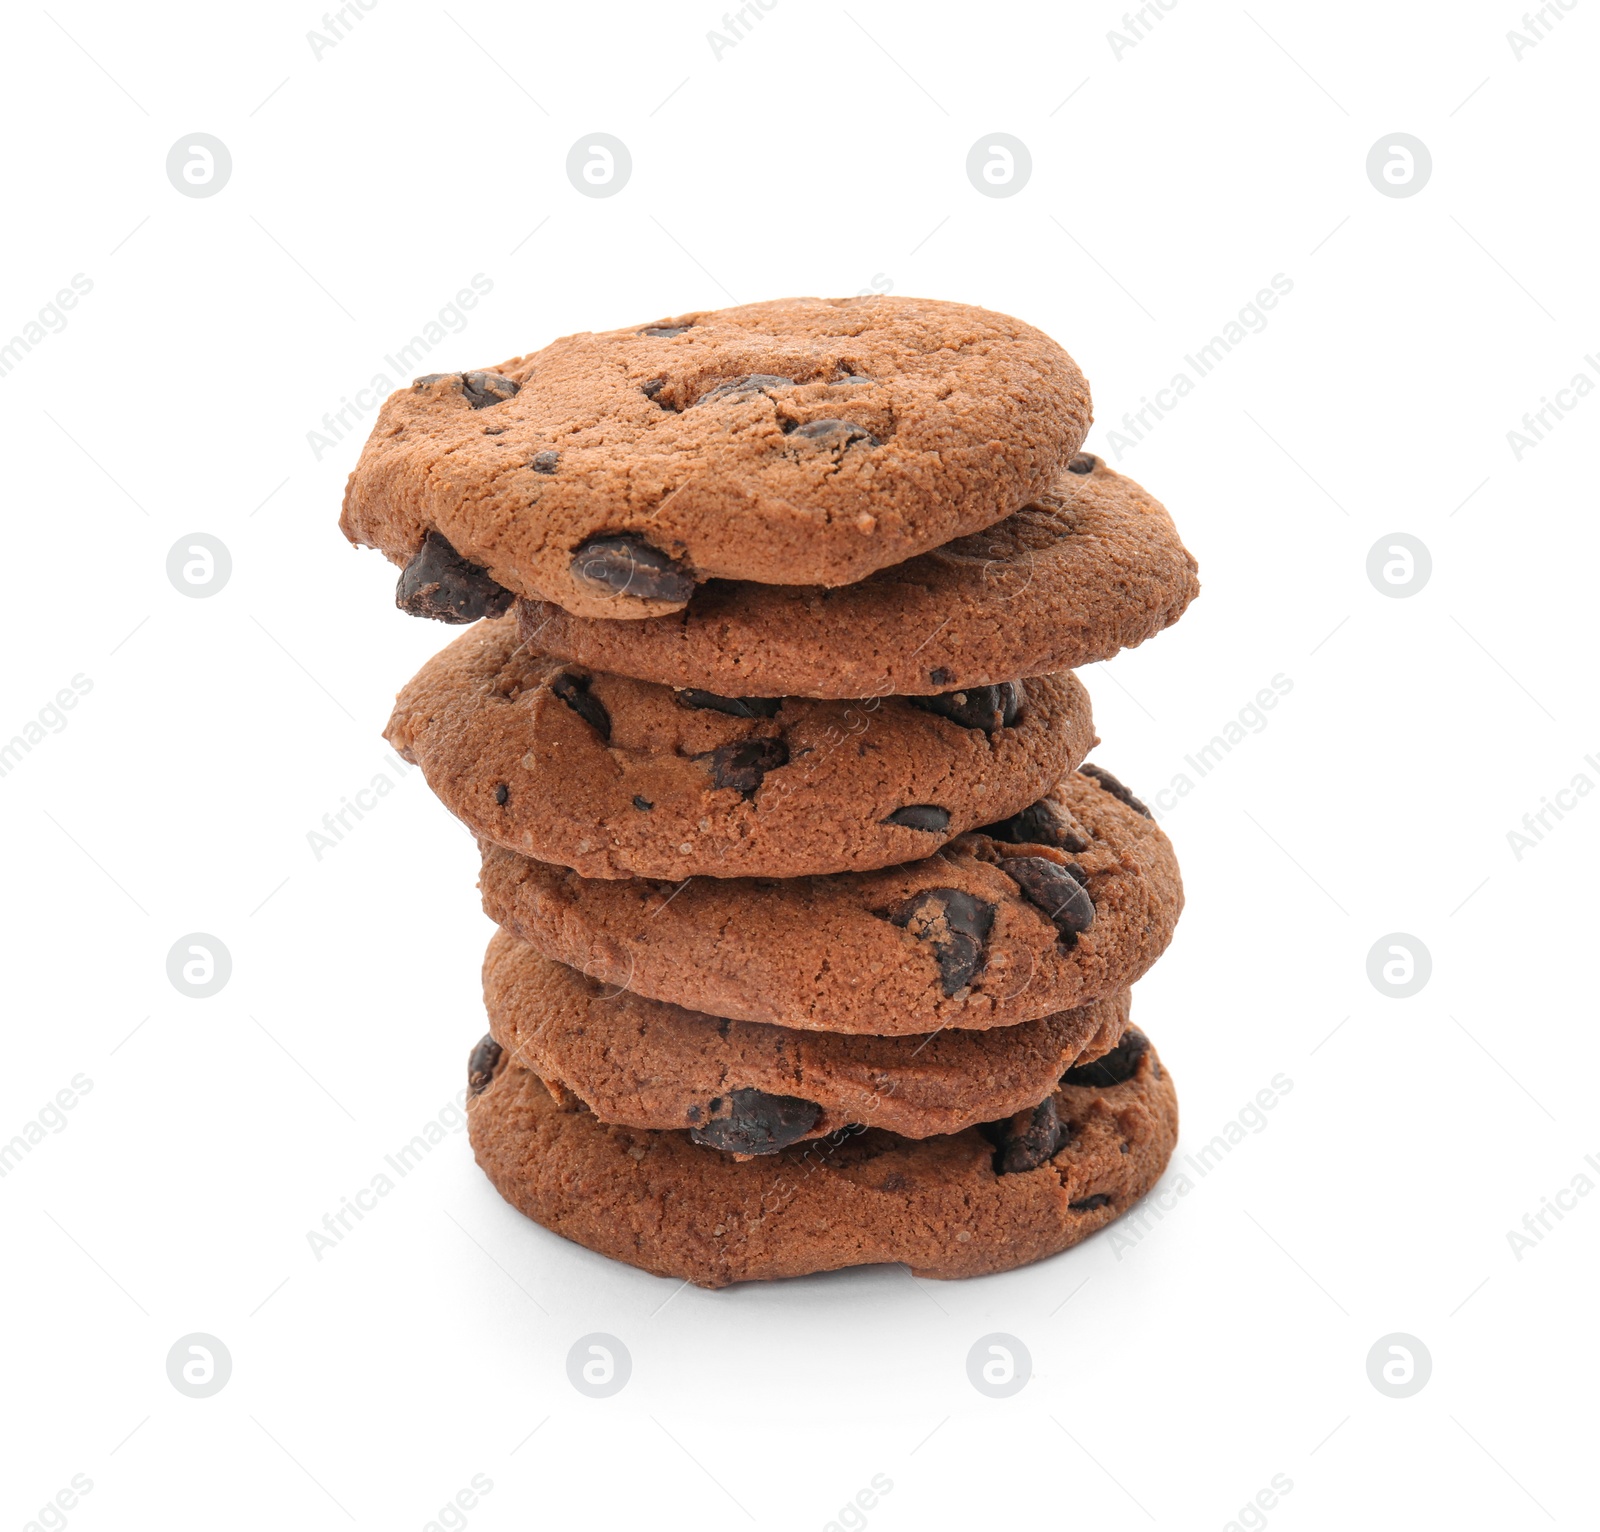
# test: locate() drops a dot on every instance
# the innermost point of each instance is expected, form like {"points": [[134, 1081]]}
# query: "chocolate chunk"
{"points": [[485, 388], [977, 707], [752, 1122], [1082, 462], [850, 377], [627, 565], [429, 378], [742, 766], [653, 386], [1122, 1063], [1044, 823], [734, 707], [1089, 1204], [574, 691], [921, 816], [545, 462], [1058, 891], [743, 388], [481, 1064], [664, 331], [956, 924], [836, 433], [440, 584], [641, 802], [501, 793], [1116, 789], [1026, 1141]]}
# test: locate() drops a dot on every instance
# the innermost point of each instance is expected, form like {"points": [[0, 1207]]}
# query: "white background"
{"points": [[822, 153]]}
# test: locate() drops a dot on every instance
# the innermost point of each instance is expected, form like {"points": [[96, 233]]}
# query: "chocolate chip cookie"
{"points": [[1091, 566], [617, 778], [748, 1088], [1066, 902], [961, 1204], [803, 441]]}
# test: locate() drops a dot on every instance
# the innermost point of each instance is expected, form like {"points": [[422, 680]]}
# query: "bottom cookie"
{"points": [[963, 1204]]}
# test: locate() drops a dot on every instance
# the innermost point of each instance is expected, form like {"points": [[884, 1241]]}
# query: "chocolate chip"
{"points": [[485, 388], [734, 707], [742, 766], [1044, 823], [743, 388], [501, 793], [1116, 789], [1089, 1204], [693, 1114], [481, 1064], [574, 691], [753, 1122], [626, 565], [440, 584], [640, 802], [429, 378], [836, 433], [850, 377], [956, 924], [921, 816], [664, 331], [545, 462], [939, 676], [653, 386], [1058, 891], [1026, 1141], [1082, 462], [1122, 1063], [977, 707]]}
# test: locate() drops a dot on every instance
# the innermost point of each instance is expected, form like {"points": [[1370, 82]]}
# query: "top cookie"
{"points": [[1091, 566], [805, 441]]}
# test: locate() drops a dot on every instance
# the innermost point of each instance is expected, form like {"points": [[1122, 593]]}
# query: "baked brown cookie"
{"points": [[748, 1088], [956, 1205], [617, 778], [1066, 902], [1091, 566], [803, 441]]}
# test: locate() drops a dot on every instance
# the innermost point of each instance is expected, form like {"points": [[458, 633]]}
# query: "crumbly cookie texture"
{"points": [[1090, 567], [954, 1205], [749, 1088], [802, 441], [618, 778], [1066, 902]]}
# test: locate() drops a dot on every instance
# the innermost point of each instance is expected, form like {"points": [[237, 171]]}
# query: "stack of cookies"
{"points": [[815, 932]]}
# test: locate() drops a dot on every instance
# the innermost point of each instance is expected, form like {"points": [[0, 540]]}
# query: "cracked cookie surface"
{"points": [[1089, 567], [802, 441], [953, 940], [618, 778], [645, 1063], [954, 1205]]}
